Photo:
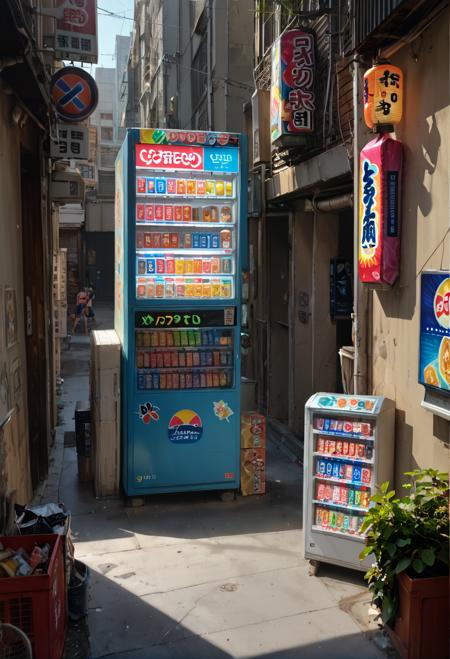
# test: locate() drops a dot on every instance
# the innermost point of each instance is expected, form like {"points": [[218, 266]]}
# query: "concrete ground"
{"points": [[189, 577]]}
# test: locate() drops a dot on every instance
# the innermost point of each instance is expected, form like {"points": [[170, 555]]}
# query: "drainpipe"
{"points": [[209, 63], [360, 294], [329, 205]]}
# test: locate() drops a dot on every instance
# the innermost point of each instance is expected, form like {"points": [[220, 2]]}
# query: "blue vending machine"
{"points": [[180, 222]]}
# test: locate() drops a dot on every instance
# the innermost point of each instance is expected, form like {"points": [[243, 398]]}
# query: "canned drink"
{"points": [[183, 338], [195, 358], [159, 290], [180, 290], [336, 494], [352, 449], [216, 379], [366, 475], [146, 360], [226, 265], [344, 495], [351, 497], [178, 213], [168, 213], [191, 186], [225, 288], [321, 467], [181, 186], [165, 242], [209, 358], [220, 188], [196, 215], [181, 359], [153, 359], [206, 266], [348, 472], [357, 474], [216, 289], [182, 381], [335, 470], [187, 240], [195, 240], [338, 448], [160, 266], [141, 184], [155, 380], [189, 359], [345, 448], [140, 359], [342, 471], [203, 240], [141, 381], [152, 338], [189, 266], [174, 361], [201, 188], [357, 498], [148, 239], [169, 381], [196, 380], [360, 450], [226, 214], [162, 381], [159, 359], [171, 186], [203, 380], [369, 452], [139, 240], [160, 184], [140, 291], [151, 186], [170, 265], [188, 380], [339, 521], [187, 213], [215, 265], [229, 188], [142, 267], [179, 266], [225, 239], [149, 212], [223, 378], [210, 188], [198, 266], [156, 240], [169, 288], [140, 212], [215, 241], [209, 380], [175, 380]]}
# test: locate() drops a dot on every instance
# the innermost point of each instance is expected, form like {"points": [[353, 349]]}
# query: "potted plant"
{"points": [[409, 540]]}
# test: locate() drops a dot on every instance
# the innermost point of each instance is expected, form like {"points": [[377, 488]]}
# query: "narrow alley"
{"points": [[188, 576]]}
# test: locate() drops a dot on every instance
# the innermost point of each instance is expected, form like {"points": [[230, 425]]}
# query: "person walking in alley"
{"points": [[84, 308]]}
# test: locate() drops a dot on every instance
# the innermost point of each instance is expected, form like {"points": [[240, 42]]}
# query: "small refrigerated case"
{"points": [[348, 451], [180, 245]]}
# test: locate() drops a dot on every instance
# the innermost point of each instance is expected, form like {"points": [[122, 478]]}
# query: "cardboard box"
{"points": [[253, 430], [253, 471]]}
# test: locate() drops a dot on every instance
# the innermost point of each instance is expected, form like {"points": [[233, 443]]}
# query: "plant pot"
{"points": [[421, 627]]}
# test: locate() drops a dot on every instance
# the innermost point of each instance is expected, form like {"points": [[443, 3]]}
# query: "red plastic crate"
{"points": [[37, 604]]}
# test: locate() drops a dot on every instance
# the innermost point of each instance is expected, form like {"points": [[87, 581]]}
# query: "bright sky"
{"points": [[109, 26]]}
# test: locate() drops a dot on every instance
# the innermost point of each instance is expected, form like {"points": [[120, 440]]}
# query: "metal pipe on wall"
{"points": [[359, 292], [337, 203]]}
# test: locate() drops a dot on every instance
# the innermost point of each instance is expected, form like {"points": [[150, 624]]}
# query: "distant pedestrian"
{"points": [[80, 310]]}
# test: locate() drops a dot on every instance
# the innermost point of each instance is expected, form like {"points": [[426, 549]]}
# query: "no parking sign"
{"points": [[74, 93]]}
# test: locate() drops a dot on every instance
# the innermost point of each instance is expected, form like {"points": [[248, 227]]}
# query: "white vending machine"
{"points": [[349, 450]]}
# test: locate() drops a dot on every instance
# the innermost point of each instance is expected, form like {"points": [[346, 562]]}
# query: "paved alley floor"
{"points": [[188, 576]]}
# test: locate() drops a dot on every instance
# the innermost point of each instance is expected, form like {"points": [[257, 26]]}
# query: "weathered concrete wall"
{"points": [[14, 455], [421, 438]]}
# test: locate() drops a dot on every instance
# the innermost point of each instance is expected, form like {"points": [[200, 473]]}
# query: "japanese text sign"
{"points": [[292, 96], [72, 142], [383, 95], [434, 359], [379, 215], [197, 158], [76, 30]]}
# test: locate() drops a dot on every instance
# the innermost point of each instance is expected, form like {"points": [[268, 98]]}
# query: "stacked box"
{"points": [[253, 453], [253, 430]]}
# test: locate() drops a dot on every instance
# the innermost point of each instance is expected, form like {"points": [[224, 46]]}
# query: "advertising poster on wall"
{"points": [[76, 30], [434, 357]]}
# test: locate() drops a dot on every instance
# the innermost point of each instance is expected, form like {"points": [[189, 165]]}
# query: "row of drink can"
{"points": [[343, 471], [347, 426], [159, 359], [149, 185], [186, 213], [343, 495], [344, 447], [183, 338], [183, 288], [169, 265], [185, 240], [195, 379], [333, 520]]}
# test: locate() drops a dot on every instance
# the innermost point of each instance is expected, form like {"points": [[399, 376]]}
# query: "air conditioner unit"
{"points": [[67, 187], [261, 126]]}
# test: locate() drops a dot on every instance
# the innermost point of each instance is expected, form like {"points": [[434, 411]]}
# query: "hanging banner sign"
{"points": [[72, 142], [379, 211], [434, 359], [292, 96], [76, 30], [74, 93]]}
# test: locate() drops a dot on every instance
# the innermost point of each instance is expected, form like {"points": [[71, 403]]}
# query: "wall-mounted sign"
{"points": [[74, 93], [197, 158], [197, 318], [292, 97], [72, 142], [379, 210], [434, 359], [383, 95], [161, 136], [341, 294], [76, 30], [185, 427]]}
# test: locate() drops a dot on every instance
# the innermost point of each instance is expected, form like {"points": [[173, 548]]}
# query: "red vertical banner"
{"points": [[379, 210]]}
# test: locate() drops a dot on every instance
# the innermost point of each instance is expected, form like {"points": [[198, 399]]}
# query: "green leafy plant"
{"points": [[407, 534]]}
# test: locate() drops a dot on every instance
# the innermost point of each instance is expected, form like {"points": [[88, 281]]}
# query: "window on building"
{"points": [[106, 134], [106, 115]]}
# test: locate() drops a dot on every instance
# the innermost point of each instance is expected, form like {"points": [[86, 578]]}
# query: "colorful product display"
{"points": [[349, 427], [175, 187], [336, 520], [342, 495], [184, 240], [344, 448], [183, 288], [153, 213]]}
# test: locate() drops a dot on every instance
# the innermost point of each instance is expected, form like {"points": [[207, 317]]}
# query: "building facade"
{"points": [[190, 64], [306, 303]]}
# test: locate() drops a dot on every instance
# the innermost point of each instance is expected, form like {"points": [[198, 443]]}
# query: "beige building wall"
{"points": [[14, 456], [422, 439]]}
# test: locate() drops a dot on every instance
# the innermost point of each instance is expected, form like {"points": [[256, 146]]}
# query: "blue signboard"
{"points": [[225, 159], [434, 359]]}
